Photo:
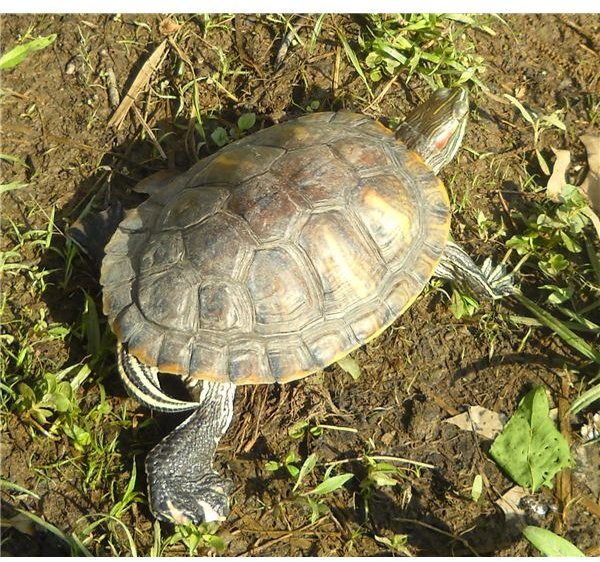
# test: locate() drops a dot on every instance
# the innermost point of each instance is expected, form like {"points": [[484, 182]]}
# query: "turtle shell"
{"points": [[277, 255]]}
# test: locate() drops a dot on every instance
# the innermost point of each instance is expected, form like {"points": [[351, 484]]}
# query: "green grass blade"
{"points": [[585, 399], [8, 485], [314, 36], [11, 186], [354, 60], [77, 547], [559, 328], [591, 251]]}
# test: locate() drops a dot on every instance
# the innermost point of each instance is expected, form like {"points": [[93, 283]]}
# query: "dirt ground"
{"points": [[426, 368]]}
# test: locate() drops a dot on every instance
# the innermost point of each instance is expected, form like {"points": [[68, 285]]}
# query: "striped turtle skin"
{"points": [[279, 254]]}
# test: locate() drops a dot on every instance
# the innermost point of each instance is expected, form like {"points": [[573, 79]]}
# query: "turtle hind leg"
{"points": [[485, 282], [92, 232], [183, 487]]}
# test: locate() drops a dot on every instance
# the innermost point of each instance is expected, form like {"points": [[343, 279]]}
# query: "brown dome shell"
{"points": [[277, 255]]}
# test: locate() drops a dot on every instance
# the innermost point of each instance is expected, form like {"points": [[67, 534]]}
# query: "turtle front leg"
{"points": [[183, 487], [485, 282]]}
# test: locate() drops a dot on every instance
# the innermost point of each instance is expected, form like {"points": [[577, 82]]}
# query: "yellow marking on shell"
{"points": [[227, 158], [392, 218], [298, 131], [345, 268]]}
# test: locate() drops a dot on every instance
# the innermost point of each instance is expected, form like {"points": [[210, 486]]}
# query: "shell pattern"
{"points": [[277, 255]]}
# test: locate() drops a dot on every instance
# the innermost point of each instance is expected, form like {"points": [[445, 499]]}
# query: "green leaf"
{"points": [[382, 478], [557, 294], [246, 121], [298, 429], [351, 366], [542, 162], [272, 466], [57, 401], [220, 136], [331, 484], [13, 160], [19, 53], [315, 510], [76, 546], [554, 265], [354, 60], [554, 121], [307, 467], [214, 541], [530, 449], [477, 488], [526, 115], [549, 543], [569, 243], [462, 305]]}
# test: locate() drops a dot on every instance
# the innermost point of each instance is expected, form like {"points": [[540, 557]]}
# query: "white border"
{"points": [[295, 6]]}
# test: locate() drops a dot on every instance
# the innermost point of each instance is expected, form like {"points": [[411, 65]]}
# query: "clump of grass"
{"points": [[434, 47]]}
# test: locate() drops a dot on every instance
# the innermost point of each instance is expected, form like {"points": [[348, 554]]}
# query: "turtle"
{"points": [[271, 259]]}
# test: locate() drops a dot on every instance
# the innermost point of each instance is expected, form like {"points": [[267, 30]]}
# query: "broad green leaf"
{"points": [[330, 484], [19, 53], [57, 401], [549, 543], [462, 18], [220, 136], [272, 466], [315, 510], [530, 449], [542, 162], [462, 305], [246, 121]]}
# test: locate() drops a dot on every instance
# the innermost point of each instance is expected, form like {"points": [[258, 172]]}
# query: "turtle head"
{"points": [[436, 127]]}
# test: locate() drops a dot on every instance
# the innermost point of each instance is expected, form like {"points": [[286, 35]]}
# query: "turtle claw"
{"points": [[197, 502], [486, 281], [498, 279]]}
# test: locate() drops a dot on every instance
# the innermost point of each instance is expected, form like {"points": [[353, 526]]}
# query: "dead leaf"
{"points": [[21, 523], [509, 504], [591, 184], [482, 421], [138, 85], [558, 179], [168, 26]]}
